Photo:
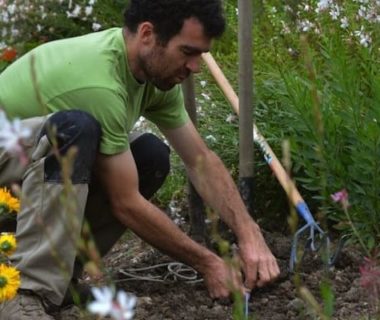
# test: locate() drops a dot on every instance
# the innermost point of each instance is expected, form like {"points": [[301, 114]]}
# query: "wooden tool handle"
{"points": [[279, 171]]}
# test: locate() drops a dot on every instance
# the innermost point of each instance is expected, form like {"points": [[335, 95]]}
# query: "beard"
{"points": [[157, 69]]}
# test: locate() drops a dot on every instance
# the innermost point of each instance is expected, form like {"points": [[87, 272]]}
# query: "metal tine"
{"points": [[310, 244], [304, 211]]}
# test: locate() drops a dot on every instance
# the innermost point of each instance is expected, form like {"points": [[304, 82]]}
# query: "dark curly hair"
{"points": [[167, 16]]}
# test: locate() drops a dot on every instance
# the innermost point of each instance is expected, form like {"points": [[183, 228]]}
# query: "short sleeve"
{"points": [[107, 107], [167, 109]]}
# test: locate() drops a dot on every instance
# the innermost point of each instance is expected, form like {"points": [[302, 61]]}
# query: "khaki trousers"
{"points": [[50, 220]]}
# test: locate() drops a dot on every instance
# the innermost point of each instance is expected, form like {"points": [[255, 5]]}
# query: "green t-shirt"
{"points": [[88, 73]]}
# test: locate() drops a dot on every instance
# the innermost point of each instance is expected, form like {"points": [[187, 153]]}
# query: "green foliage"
{"points": [[345, 153], [320, 88], [29, 23], [175, 185]]}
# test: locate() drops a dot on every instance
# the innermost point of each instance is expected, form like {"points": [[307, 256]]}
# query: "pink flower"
{"points": [[341, 197]]}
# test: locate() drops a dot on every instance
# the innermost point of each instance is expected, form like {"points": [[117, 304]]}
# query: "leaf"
{"points": [[370, 243], [328, 298]]}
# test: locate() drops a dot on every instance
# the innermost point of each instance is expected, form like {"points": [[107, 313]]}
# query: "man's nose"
{"points": [[194, 64]]}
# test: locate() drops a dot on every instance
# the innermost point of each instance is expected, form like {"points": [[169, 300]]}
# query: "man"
{"points": [[93, 89]]}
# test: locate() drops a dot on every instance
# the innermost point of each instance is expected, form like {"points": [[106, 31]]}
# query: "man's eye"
{"points": [[188, 52]]}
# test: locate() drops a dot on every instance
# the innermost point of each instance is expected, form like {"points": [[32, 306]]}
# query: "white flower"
{"points": [[344, 23], [231, 118], [305, 25], [323, 5], [362, 11], [103, 301], [96, 26], [285, 28], [88, 10], [365, 40], [211, 138], [75, 13], [273, 10], [12, 134], [121, 308], [206, 96], [11, 8], [124, 308], [203, 83], [335, 12]]}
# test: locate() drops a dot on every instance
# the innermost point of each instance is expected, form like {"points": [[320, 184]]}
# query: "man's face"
{"points": [[168, 65]]}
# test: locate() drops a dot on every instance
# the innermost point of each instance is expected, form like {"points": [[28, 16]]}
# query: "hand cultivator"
{"points": [[316, 234]]}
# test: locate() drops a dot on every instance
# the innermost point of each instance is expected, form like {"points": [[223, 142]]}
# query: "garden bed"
{"points": [[181, 300]]}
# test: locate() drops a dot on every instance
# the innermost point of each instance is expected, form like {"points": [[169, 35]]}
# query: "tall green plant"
{"points": [[326, 100]]}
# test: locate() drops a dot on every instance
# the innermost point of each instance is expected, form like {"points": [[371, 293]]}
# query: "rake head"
{"points": [[317, 239]]}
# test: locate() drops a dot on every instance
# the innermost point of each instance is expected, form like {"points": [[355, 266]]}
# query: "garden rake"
{"points": [[316, 234]]}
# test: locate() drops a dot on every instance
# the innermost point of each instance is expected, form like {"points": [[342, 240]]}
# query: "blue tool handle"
{"points": [[246, 302], [304, 212]]}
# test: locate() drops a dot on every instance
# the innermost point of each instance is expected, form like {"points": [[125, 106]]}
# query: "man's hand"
{"points": [[259, 265], [222, 278]]}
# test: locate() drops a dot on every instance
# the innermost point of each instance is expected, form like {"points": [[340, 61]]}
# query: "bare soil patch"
{"points": [[174, 300]]}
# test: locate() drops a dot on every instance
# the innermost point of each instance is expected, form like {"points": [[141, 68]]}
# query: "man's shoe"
{"points": [[25, 306]]}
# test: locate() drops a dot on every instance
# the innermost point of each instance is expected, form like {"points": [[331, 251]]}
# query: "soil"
{"points": [[177, 299]]}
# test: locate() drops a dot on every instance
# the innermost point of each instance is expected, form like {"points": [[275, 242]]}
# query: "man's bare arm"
{"points": [[119, 175], [215, 185]]}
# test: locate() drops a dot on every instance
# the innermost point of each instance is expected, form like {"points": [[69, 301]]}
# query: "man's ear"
{"points": [[145, 32]]}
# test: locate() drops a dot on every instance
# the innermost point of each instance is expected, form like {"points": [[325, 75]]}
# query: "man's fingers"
{"points": [[224, 280], [264, 274], [219, 294], [251, 276], [268, 272], [276, 269]]}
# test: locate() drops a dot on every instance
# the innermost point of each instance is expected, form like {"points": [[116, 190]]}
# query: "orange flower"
{"points": [[8, 54]]}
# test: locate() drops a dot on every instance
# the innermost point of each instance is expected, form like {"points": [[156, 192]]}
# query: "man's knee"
{"points": [[72, 129], [151, 155]]}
